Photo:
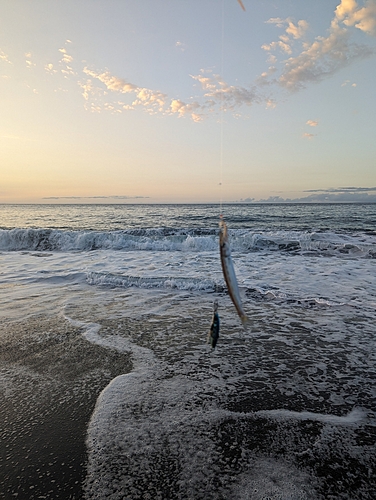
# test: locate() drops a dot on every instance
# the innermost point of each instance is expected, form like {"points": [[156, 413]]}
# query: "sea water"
{"points": [[283, 410]]}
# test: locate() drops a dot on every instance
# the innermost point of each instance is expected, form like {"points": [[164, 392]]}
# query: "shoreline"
{"points": [[51, 377]]}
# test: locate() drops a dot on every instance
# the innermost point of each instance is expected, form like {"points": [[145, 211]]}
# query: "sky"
{"points": [[191, 101]]}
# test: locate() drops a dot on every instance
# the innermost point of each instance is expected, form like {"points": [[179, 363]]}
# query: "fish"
{"points": [[214, 327], [229, 272]]}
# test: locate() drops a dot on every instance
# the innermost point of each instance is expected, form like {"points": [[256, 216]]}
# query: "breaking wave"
{"points": [[119, 281], [111, 280], [189, 240]]}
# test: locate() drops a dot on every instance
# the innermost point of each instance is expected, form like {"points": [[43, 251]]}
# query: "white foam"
{"points": [[142, 419], [356, 416], [271, 479]]}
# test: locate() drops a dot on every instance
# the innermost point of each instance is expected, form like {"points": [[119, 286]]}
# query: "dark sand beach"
{"points": [[51, 377]]}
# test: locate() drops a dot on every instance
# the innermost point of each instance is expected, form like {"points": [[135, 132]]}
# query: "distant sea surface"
{"points": [[284, 410], [298, 217]]}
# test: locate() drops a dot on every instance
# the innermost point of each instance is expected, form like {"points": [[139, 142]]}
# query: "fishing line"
{"points": [[221, 115], [221, 99]]}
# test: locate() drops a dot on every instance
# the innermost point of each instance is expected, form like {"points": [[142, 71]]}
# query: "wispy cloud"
{"points": [[29, 62], [66, 63], [181, 46], [295, 30], [217, 95], [115, 197], [346, 82], [4, 57], [49, 68], [322, 58], [306, 135], [312, 123], [66, 57], [151, 100], [331, 195], [326, 54], [350, 189]]}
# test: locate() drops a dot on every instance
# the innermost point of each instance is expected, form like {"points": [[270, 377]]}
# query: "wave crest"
{"points": [[189, 240]]}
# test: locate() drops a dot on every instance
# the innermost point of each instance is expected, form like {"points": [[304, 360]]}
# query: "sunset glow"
{"points": [[109, 101]]}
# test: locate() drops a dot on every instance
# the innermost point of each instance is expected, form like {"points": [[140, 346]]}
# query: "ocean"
{"points": [[109, 388]]}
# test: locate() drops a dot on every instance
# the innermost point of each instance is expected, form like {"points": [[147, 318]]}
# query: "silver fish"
{"points": [[229, 272]]}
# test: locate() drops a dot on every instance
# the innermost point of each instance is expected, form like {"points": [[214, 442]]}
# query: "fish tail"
{"points": [[245, 321]]}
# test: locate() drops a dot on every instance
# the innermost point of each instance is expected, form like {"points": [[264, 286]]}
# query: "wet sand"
{"points": [[193, 423], [50, 379]]}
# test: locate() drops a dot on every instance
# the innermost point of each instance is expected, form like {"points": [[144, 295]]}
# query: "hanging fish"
{"points": [[214, 327], [229, 272]]}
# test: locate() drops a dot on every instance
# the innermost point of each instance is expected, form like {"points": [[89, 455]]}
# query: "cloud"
{"points": [[112, 82], [350, 189], [312, 123], [292, 32], [4, 57], [270, 104], [322, 58], [181, 109], [285, 47], [88, 89], [346, 82], [326, 54], [363, 18], [298, 30], [151, 100], [306, 135], [115, 197], [331, 195], [276, 20], [181, 46], [49, 68], [29, 62], [65, 63], [220, 95]]}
